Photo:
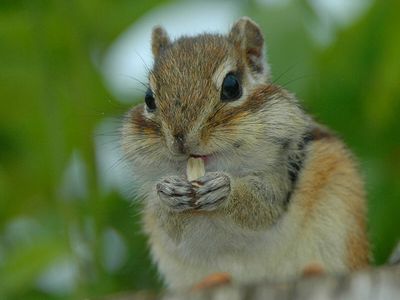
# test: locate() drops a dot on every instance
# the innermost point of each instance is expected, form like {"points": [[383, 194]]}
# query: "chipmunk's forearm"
{"points": [[253, 205], [250, 203]]}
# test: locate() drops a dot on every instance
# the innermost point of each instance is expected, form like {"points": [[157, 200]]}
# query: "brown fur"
{"points": [[358, 252], [323, 171], [317, 175], [142, 124], [358, 255]]}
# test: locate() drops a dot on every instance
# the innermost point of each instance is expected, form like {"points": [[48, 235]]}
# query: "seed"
{"points": [[195, 168]]}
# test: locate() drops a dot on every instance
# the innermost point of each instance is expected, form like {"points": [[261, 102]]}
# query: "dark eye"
{"points": [[150, 102], [230, 89]]}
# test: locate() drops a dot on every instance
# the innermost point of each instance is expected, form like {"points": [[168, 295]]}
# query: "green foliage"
{"points": [[361, 88], [53, 98]]}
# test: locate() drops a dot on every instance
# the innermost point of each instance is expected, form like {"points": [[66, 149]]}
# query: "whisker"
{"points": [[296, 79], [283, 73]]}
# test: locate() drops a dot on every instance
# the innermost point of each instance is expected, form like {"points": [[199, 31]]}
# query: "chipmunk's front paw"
{"points": [[176, 192], [211, 190]]}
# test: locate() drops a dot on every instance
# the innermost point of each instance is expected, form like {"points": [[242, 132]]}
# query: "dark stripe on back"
{"points": [[296, 164]]}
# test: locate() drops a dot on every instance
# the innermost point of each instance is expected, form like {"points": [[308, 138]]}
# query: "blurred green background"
{"points": [[68, 233]]}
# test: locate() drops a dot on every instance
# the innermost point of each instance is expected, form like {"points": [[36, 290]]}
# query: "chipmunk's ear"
{"points": [[159, 40], [247, 37]]}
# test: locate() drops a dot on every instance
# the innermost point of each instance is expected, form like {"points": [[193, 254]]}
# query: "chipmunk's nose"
{"points": [[179, 141]]}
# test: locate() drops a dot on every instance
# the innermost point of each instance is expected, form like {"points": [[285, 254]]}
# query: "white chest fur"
{"points": [[210, 245]]}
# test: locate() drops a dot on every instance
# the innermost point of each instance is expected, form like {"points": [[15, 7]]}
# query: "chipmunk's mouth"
{"points": [[205, 158]]}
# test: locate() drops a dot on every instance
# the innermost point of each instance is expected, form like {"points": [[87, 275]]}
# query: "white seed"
{"points": [[195, 168]]}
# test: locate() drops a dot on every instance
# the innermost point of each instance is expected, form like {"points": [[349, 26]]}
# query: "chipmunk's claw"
{"points": [[176, 192], [205, 193], [211, 190]]}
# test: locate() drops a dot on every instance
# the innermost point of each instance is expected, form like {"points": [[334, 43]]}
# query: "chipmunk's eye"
{"points": [[150, 101], [230, 89]]}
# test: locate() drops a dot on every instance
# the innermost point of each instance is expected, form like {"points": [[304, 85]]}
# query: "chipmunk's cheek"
{"points": [[205, 136]]}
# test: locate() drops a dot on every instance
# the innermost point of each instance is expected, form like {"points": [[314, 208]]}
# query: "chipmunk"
{"points": [[279, 191]]}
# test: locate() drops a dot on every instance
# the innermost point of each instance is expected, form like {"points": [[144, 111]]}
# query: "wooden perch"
{"points": [[377, 283], [382, 283]]}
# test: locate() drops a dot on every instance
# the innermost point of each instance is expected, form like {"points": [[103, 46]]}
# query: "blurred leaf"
{"points": [[358, 95], [22, 267]]}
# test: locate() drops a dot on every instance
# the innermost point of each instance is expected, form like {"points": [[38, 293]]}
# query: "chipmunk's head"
{"points": [[209, 96]]}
